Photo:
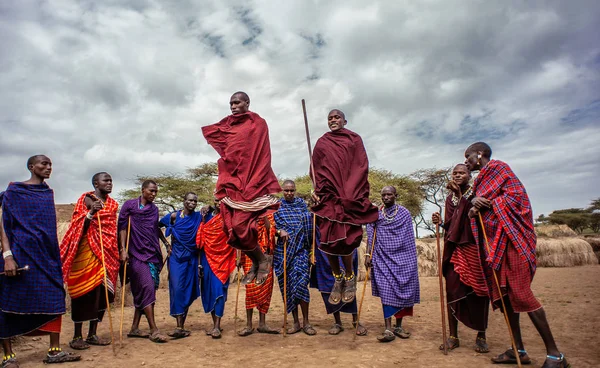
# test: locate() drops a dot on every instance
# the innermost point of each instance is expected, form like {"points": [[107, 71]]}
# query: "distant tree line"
{"points": [[578, 219]]}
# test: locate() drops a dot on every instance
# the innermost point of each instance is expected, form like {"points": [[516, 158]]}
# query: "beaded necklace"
{"points": [[466, 194], [390, 217]]}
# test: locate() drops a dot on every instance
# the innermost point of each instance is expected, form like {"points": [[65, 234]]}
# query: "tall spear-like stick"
{"points": [[442, 304], [362, 298], [285, 288], [312, 177], [510, 333], [237, 294], [112, 333], [124, 283]]}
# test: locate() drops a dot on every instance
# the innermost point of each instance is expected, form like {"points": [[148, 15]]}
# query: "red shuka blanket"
{"points": [[245, 171], [70, 243], [510, 219], [220, 256], [341, 170]]}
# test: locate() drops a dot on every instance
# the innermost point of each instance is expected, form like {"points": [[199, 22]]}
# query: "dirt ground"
{"points": [[570, 297]]}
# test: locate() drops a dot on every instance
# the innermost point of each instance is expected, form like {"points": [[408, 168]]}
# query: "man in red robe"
{"points": [[246, 182], [502, 212], [341, 170]]}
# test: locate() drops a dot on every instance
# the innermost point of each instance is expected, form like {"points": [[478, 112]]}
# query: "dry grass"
{"points": [[595, 243], [554, 231], [564, 252]]}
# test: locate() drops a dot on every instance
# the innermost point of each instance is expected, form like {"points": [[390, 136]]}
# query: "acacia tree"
{"points": [[172, 187], [432, 185]]}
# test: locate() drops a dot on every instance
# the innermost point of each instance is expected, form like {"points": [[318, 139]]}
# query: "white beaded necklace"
{"points": [[388, 217]]}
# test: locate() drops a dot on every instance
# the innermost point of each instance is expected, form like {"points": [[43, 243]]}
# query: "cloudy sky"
{"points": [[124, 86]]}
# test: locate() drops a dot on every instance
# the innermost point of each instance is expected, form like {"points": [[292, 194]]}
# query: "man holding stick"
{"points": [[466, 287], [502, 214], [341, 169], [31, 302], [246, 181], [81, 255], [294, 226], [144, 256], [395, 275]]}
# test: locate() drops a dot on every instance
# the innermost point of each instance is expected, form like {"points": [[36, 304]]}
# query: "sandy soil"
{"points": [[570, 297]]}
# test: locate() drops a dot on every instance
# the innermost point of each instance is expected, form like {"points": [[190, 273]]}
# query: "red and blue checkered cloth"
{"points": [[510, 218]]}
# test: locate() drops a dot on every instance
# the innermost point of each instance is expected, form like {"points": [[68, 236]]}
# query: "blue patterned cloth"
{"points": [[294, 218], [322, 279], [395, 274], [29, 220]]}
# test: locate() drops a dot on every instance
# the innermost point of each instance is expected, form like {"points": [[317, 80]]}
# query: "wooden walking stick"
{"points": [[510, 333], [112, 333], [285, 288], [442, 304], [312, 177], [237, 294], [123, 286], [362, 298]]}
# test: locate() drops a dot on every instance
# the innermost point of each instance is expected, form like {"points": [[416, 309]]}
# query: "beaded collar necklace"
{"points": [[390, 217], [466, 194]]}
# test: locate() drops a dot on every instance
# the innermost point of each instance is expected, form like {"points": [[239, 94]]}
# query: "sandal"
{"points": [[97, 341], [554, 360], [216, 333], [349, 293], [508, 357], [336, 329], [295, 329], [361, 330], [263, 274], [60, 357], [137, 333], [451, 343], [386, 336], [309, 330], [481, 345], [401, 333], [335, 297], [158, 338], [10, 361], [78, 343], [250, 276], [179, 333], [246, 332]]}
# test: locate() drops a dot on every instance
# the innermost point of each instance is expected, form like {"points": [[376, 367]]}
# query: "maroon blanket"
{"points": [[245, 171], [341, 174]]}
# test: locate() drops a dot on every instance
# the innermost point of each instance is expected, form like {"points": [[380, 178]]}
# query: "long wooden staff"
{"points": [[112, 333], [312, 172], [510, 333], [442, 304], [362, 298], [237, 294], [285, 288], [124, 283]]}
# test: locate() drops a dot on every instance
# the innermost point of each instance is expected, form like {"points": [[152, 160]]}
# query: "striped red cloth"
{"points": [[220, 256], [259, 297], [70, 243]]}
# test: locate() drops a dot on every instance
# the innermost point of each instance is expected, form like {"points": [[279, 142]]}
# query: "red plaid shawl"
{"points": [[510, 219], [69, 244]]}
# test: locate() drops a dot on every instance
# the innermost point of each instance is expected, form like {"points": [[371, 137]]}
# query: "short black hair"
{"points": [[188, 193], [97, 176], [32, 160], [461, 164], [338, 110], [288, 181], [483, 147], [147, 182], [393, 188], [243, 94]]}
